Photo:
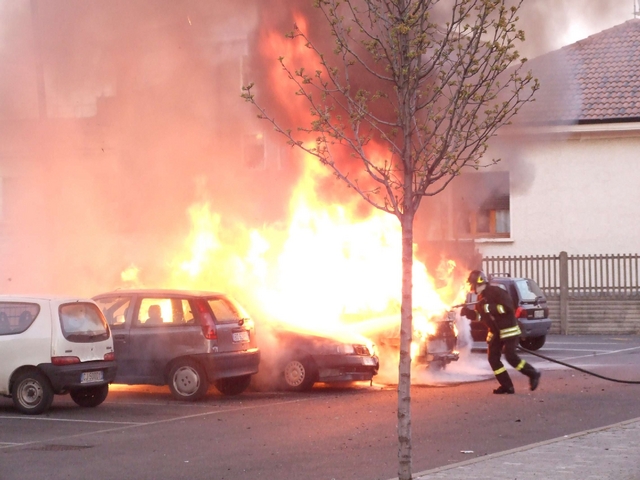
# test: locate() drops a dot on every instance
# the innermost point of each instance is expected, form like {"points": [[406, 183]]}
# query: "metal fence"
{"points": [[578, 275]]}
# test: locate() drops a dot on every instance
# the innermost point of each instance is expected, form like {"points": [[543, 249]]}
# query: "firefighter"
{"points": [[495, 309]]}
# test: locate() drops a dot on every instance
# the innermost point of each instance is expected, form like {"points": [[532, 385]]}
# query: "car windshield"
{"points": [[83, 322], [528, 290]]}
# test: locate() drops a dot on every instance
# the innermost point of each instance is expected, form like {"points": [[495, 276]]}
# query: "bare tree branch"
{"points": [[413, 90]]}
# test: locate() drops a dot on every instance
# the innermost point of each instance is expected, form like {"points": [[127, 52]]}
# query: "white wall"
{"points": [[577, 193]]}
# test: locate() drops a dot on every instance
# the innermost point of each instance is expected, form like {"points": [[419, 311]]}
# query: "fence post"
{"points": [[564, 293]]}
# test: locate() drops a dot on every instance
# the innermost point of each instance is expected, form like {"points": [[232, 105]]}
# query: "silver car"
{"points": [[184, 339]]}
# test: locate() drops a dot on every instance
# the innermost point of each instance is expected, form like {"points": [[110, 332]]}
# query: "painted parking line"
{"points": [[612, 352], [128, 426], [576, 350], [70, 420]]}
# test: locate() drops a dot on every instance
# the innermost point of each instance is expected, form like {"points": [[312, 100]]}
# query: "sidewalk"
{"points": [[611, 452]]}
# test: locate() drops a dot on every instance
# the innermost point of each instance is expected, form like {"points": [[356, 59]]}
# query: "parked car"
{"points": [[295, 361], [532, 310], [184, 339], [54, 346]]}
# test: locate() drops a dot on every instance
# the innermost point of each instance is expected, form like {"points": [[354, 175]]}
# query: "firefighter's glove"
{"points": [[480, 306], [469, 313], [489, 337]]}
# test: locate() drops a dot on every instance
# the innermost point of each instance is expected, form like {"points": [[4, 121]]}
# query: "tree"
{"points": [[410, 94]]}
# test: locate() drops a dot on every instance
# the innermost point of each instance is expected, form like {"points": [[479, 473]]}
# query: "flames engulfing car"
{"points": [[294, 360], [437, 345], [435, 339]]}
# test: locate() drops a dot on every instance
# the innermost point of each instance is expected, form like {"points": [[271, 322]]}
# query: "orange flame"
{"points": [[330, 269]]}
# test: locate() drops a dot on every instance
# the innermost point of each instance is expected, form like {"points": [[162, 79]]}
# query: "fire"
{"points": [[130, 275], [331, 269]]}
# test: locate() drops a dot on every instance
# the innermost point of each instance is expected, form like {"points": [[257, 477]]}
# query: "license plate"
{"points": [[90, 377], [240, 336], [538, 314]]}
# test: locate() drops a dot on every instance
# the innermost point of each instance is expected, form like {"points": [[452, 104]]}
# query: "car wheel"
{"points": [[233, 385], [534, 343], [188, 381], [299, 374], [90, 397], [32, 393]]}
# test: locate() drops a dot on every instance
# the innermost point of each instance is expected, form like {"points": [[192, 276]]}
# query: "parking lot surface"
{"points": [[346, 432]]}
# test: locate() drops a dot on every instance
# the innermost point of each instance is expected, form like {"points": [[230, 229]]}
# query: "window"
{"points": [[16, 317], [82, 323], [165, 312], [481, 203], [226, 311], [115, 310]]}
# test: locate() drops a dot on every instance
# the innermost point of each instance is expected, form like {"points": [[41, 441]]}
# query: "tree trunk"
{"points": [[406, 333]]}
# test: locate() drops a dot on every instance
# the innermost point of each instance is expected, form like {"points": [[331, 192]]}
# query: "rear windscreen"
{"points": [[83, 323], [16, 317], [226, 310], [528, 290]]}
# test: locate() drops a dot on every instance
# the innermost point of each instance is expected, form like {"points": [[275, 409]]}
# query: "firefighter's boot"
{"points": [[532, 373], [506, 386], [534, 380]]}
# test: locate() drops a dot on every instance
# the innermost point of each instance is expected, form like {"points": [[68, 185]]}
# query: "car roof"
{"points": [[43, 298], [503, 279], [162, 291]]}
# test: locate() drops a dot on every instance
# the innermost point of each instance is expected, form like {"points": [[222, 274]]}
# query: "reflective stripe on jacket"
{"points": [[497, 312]]}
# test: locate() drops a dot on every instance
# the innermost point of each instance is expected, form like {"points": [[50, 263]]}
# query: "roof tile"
{"points": [[595, 79]]}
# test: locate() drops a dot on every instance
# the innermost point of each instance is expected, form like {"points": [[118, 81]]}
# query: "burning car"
{"points": [[435, 340], [296, 360], [437, 346]]}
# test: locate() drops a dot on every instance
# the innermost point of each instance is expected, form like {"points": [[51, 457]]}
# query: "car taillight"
{"points": [[64, 360], [521, 313], [209, 332], [208, 325], [109, 357]]}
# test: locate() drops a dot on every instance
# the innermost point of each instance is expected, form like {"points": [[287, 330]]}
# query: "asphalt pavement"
{"points": [[611, 452]]}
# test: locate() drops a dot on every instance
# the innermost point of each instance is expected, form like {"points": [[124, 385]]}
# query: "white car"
{"points": [[54, 345]]}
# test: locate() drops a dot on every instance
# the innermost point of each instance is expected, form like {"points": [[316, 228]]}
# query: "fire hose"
{"points": [[633, 382], [588, 372]]}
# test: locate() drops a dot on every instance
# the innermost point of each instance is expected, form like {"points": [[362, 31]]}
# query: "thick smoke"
{"points": [[118, 115]]}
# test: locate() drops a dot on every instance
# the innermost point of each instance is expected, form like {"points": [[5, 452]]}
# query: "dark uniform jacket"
{"points": [[495, 309]]}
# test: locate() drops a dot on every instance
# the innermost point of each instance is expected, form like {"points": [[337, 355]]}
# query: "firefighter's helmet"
{"points": [[477, 277]]}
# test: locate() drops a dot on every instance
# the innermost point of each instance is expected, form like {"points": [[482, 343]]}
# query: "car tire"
{"points": [[299, 374], [533, 343], [32, 393], [188, 381], [233, 385], [90, 397]]}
